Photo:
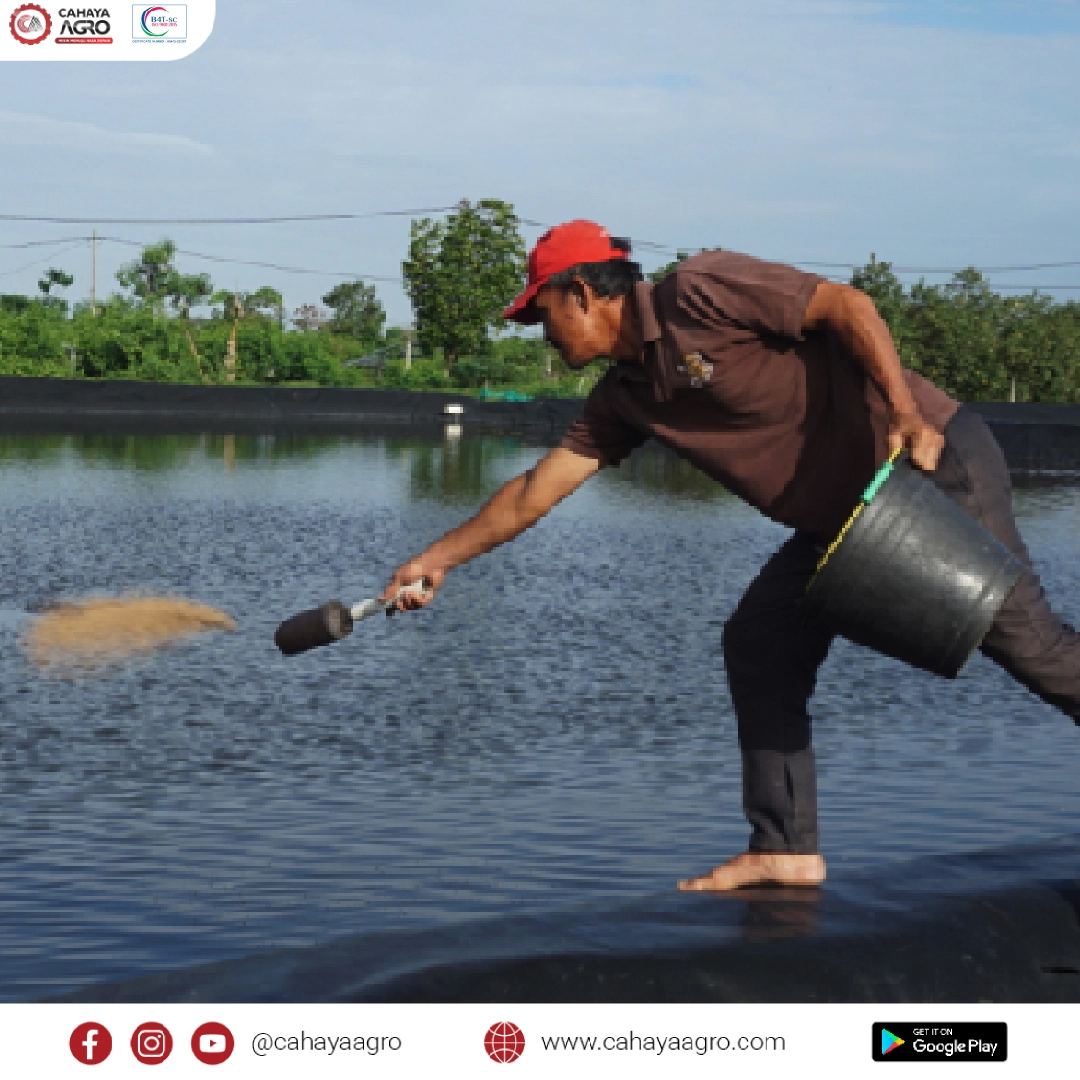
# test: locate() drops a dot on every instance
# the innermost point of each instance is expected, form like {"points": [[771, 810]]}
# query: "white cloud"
{"points": [[795, 129], [28, 129]]}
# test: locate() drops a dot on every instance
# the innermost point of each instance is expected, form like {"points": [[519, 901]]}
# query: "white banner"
{"points": [[49, 31], [759, 1042]]}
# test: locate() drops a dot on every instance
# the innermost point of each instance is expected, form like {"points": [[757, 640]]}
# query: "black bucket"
{"points": [[912, 575]]}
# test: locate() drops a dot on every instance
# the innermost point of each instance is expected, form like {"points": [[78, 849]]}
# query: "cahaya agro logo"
{"points": [[55, 28], [159, 23], [84, 26], [30, 24]]}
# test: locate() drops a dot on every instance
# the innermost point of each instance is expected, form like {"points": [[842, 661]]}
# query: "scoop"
{"points": [[332, 621]]}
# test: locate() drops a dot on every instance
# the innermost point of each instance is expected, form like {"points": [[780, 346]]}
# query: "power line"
{"points": [[669, 250], [224, 221], [528, 222], [663, 249], [945, 269], [40, 262], [72, 241], [397, 280], [264, 265], [46, 243]]}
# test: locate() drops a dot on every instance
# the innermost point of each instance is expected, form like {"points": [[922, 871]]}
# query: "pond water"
{"points": [[553, 732]]}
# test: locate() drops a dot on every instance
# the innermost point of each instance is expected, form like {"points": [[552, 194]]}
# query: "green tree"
{"points": [[878, 281], [154, 279], [1040, 348], [957, 328], [233, 304], [31, 343], [53, 279], [266, 299], [357, 311], [461, 273], [185, 291], [149, 277]]}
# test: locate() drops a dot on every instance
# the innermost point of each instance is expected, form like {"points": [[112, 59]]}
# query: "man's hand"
{"points": [[516, 506], [408, 574], [925, 442]]}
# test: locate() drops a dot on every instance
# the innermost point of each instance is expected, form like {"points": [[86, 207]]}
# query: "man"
{"points": [[788, 390]]}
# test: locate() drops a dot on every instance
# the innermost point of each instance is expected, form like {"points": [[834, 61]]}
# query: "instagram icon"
{"points": [[151, 1043]]}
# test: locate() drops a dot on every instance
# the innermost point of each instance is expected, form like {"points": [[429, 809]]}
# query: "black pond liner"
{"points": [[994, 925], [912, 575]]}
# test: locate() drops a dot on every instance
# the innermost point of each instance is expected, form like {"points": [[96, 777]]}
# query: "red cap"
{"points": [[558, 249]]}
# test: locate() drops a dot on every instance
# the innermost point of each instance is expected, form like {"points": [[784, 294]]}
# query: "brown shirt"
{"points": [[788, 421]]}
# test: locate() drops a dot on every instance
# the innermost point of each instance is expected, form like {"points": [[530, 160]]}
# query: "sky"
{"points": [[936, 134]]}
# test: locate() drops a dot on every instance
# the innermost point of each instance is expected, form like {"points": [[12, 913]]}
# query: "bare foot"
{"points": [[759, 868]]}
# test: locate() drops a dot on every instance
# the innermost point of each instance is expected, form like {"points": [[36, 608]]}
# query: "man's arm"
{"points": [[851, 314], [519, 503]]}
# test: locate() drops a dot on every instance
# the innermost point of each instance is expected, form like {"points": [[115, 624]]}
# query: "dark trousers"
{"points": [[772, 652]]}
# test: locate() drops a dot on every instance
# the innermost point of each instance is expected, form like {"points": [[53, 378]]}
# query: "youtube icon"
{"points": [[212, 1043]]}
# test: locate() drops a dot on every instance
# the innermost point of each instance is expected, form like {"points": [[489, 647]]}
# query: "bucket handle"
{"points": [[880, 477], [868, 494]]}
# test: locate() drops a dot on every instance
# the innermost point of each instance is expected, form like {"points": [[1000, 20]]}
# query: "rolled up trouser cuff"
{"points": [[780, 800]]}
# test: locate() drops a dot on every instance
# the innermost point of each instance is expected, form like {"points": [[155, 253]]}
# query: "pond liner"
{"points": [[111, 401], [1036, 438], [998, 926]]}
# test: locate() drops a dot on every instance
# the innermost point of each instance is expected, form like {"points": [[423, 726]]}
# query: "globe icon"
{"points": [[504, 1042]]}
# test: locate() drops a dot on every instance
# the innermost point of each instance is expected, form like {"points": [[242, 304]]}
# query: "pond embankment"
{"points": [[170, 406], [1036, 438]]}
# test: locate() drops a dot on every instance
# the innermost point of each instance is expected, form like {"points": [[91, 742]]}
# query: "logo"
{"points": [[969, 1041], [84, 26], [151, 1043], [699, 370], [889, 1041], [90, 1043], [504, 1042], [30, 24], [159, 21], [212, 1043]]}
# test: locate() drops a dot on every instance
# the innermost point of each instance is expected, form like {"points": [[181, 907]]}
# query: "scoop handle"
{"points": [[331, 622], [367, 608]]}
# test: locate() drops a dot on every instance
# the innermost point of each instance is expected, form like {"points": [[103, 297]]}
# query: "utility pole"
{"points": [[230, 347], [93, 273]]}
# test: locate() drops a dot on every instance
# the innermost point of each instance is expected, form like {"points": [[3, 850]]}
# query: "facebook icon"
{"points": [[90, 1043]]}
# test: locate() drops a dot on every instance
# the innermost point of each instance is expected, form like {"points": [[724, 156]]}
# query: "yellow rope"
{"points": [[836, 543], [847, 525]]}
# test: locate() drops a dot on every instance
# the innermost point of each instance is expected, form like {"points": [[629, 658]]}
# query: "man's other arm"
{"points": [[519, 503], [851, 315]]}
